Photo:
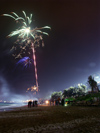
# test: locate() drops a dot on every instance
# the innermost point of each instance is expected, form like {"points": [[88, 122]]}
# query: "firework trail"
{"points": [[34, 57], [27, 37]]}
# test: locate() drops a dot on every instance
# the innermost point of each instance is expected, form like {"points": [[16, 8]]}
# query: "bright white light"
{"points": [[27, 30], [34, 88]]}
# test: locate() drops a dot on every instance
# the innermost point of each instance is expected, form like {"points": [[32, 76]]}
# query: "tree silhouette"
{"points": [[75, 91], [56, 96], [92, 83]]}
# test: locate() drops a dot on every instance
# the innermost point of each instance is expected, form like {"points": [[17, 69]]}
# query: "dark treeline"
{"points": [[75, 92]]}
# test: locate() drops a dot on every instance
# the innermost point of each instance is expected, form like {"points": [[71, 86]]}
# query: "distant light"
{"points": [[46, 101], [66, 104]]}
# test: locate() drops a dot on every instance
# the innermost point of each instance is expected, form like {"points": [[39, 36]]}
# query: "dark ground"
{"points": [[54, 119]]}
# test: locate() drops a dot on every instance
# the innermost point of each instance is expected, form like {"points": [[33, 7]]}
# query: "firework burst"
{"points": [[25, 62], [33, 89], [27, 36], [24, 32]]}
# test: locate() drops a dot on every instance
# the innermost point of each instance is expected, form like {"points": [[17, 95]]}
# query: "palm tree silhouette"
{"points": [[92, 83]]}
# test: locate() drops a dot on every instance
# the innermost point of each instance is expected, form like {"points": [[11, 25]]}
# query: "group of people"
{"points": [[57, 102], [32, 104]]}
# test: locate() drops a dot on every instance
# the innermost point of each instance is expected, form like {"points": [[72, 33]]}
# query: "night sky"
{"points": [[71, 52]]}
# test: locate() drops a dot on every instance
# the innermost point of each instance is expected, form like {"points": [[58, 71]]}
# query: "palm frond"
{"points": [[31, 17], [24, 14], [39, 31], [46, 27], [45, 33], [28, 20], [15, 14], [20, 18], [25, 23], [8, 15], [32, 35]]}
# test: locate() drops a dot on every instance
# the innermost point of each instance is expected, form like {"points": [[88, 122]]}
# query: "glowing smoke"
{"points": [[7, 95]]}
